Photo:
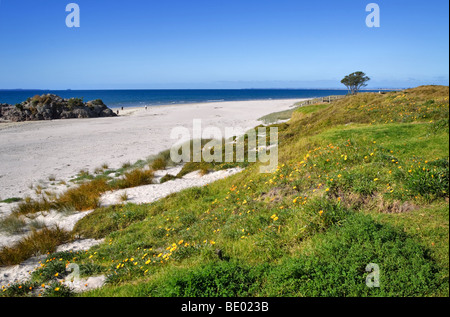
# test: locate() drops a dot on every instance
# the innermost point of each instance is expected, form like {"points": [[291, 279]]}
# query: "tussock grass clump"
{"points": [[165, 156], [84, 197], [82, 176], [39, 242], [124, 197], [166, 178], [126, 165], [12, 224], [31, 206], [190, 167], [134, 178], [98, 170], [159, 164]]}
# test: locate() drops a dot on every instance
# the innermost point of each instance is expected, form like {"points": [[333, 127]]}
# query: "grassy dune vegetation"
{"points": [[361, 180]]}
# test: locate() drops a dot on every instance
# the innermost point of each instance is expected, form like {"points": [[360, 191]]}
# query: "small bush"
{"points": [[73, 103], [97, 102], [36, 100]]}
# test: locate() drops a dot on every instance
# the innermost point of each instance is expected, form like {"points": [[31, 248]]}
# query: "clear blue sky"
{"points": [[221, 44]]}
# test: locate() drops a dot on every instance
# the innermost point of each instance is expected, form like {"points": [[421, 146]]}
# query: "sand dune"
{"points": [[33, 151]]}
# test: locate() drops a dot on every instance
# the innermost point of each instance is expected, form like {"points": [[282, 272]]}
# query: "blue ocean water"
{"points": [[133, 98]]}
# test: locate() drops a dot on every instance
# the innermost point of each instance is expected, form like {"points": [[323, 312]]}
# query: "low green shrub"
{"points": [[430, 181], [58, 290], [337, 264], [224, 279], [320, 214], [18, 290]]}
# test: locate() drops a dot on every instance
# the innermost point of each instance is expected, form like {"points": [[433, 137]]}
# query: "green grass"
{"points": [[287, 114], [312, 108], [11, 200], [12, 224], [107, 220], [429, 227], [277, 116], [335, 266], [361, 180]]}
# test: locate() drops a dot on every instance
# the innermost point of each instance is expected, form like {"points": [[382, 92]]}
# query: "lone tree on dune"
{"points": [[355, 81]]}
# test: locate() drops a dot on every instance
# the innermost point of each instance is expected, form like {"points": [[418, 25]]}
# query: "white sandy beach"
{"points": [[31, 152]]}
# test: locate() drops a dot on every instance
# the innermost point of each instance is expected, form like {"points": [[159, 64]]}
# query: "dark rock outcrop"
{"points": [[50, 107]]}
